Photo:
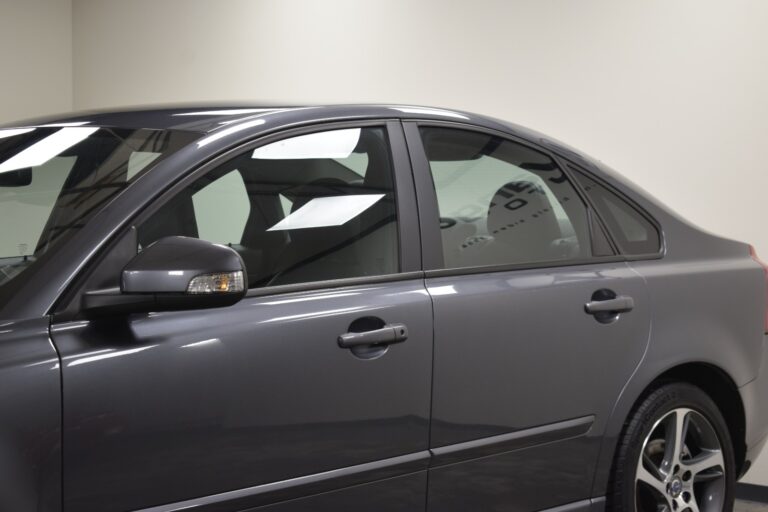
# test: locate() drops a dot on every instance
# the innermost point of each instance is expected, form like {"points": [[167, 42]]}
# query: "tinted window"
{"points": [[501, 202], [54, 179], [633, 231], [308, 208]]}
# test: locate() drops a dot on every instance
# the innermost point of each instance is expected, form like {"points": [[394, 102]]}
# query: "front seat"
{"points": [[318, 253]]}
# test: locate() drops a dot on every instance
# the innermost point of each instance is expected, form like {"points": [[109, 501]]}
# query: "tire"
{"points": [[698, 475]]}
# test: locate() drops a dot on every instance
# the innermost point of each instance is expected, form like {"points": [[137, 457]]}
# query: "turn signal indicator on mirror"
{"points": [[226, 282]]}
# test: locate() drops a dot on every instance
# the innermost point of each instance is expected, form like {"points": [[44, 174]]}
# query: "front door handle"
{"points": [[620, 304], [390, 333]]}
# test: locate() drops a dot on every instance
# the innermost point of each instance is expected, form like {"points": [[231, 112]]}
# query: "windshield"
{"points": [[54, 178]]}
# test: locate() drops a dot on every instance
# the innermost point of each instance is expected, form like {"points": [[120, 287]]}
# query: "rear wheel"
{"points": [[675, 455]]}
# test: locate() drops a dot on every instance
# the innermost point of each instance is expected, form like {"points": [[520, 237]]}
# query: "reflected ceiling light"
{"points": [[109, 355], [202, 343], [47, 148], [442, 290], [12, 132], [323, 212], [333, 144], [64, 125], [430, 111], [229, 112], [228, 131]]}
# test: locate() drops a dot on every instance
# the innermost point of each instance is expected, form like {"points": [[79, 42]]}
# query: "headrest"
{"points": [[323, 187]]}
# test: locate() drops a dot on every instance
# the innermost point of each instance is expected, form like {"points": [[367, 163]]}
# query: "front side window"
{"points": [[309, 208], [502, 203], [53, 179]]}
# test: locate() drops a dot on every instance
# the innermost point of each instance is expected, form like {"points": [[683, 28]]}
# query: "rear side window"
{"points": [[501, 202], [633, 231], [308, 208]]}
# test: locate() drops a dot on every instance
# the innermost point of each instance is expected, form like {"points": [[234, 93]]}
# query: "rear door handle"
{"points": [[390, 333], [620, 304]]}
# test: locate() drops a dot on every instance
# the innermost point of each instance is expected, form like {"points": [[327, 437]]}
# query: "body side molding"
{"points": [[454, 453], [335, 479], [310, 484]]}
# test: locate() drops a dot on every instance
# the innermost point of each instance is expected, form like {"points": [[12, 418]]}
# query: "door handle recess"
{"points": [[390, 333], [620, 304]]}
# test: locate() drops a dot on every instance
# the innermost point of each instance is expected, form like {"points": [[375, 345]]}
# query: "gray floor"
{"points": [[750, 506]]}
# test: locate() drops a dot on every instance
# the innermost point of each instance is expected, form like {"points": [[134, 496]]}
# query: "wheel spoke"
{"points": [[674, 440], [654, 470], [707, 460], [648, 478], [681, 458]]}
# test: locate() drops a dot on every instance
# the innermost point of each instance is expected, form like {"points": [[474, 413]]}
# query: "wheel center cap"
{"points": [[675, 487]]}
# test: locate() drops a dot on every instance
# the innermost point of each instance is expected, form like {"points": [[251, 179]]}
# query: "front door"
{"points": [[266, 401], [526, 372]]}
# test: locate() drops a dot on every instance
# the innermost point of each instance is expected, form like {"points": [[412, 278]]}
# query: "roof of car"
{"points": [[231, 122], [208, 118]]}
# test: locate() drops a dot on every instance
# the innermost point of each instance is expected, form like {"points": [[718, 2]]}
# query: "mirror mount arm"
{"points": [[113, 301]]}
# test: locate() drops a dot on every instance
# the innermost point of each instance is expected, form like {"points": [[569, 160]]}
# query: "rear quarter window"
{"points": [[632, 229]]}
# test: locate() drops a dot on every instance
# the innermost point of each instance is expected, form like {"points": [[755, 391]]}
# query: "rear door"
{"points": [[266, 403], [538, 324]]}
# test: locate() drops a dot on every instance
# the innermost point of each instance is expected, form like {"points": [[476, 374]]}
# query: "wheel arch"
{"points": [[721, 388], [717, 384]]}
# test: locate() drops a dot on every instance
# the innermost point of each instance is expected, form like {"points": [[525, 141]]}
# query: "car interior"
{"points": [[278, 188]]}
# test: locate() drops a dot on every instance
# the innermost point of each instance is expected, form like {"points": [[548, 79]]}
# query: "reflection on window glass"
{"points": [[138, 160], [222, 209], [30, 206], [501, 202], [308, 208], [53, 180]]}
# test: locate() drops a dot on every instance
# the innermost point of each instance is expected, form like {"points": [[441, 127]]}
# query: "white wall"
{"points": [[673, 93], [35, 58]]}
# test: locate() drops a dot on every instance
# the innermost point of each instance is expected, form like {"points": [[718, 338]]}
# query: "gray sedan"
{"points": [[380, 308]]}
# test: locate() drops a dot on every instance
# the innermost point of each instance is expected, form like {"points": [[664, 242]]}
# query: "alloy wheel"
{"points": [[681, 466]]}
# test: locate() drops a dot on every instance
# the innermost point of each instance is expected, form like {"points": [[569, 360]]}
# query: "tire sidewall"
{"points": [[654, 407]]}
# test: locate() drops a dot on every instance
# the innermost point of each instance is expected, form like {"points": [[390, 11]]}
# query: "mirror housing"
{"points": [[175, 273]]}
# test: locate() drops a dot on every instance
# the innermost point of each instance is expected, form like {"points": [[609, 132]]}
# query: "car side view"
{"points": [[380, 308]]}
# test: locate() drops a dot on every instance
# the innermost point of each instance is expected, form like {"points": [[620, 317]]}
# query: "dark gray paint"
{"points": [[30, 418], [525, 354], [238, 397], [170, 264], [151, 418]]}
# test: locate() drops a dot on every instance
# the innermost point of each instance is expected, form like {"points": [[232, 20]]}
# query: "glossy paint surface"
{"points": [[256, 407], [30, 418], [526, 354], [240, 396]]}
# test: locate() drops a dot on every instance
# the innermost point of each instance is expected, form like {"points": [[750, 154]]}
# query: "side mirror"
{"points": [[175, 273]]}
